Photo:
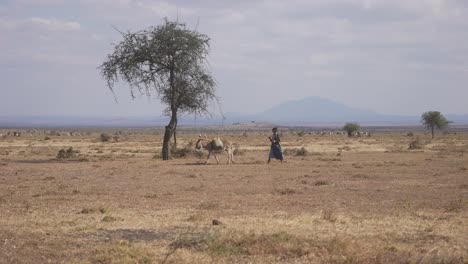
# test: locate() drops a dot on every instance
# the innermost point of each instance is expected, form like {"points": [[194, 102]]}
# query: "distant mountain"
{"points": [[316, 109], [307, 112], [321, 111]]}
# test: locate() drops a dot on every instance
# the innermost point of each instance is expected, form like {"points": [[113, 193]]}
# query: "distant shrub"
{"points": [[296, 152], [351, 128], [239, 152], [301, 133], [105, 137], [302, 152], [409, 134], [416, 144], [65, 154], [47, 138]]}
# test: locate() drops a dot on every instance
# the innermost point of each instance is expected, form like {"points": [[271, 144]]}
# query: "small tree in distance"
{"points": [[433, 120], [350, 128], [169, 60]]}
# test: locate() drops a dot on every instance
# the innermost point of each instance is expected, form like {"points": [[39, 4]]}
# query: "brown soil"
{"points": [[349, 200]]}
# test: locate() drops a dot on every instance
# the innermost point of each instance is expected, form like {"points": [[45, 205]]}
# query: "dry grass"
{"points": [[376, 203]]}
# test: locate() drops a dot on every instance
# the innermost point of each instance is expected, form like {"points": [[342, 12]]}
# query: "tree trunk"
{"points": [[169, 131], [175, 135], [432, 132]]}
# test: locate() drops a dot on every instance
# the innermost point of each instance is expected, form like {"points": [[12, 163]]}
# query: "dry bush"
{"points": [[65, 154], [455, 206], [105, 137], [109, 218], [409, 134], [239, 152], [302, 152], [416, 144], [320, 183], [285, 191], [187, 151], [196, 217], [101, 210], [329, 215]]}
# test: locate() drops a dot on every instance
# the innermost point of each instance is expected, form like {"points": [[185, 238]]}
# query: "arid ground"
{"points": [[336, 199]]}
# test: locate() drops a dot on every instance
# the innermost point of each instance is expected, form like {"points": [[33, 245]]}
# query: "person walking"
{"points": [[275, 150]]}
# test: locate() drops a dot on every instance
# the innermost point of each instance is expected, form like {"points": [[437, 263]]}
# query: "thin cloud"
{"points": [[340, 49]]}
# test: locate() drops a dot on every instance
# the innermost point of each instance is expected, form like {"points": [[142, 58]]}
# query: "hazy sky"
{"points": [[391, 56]]}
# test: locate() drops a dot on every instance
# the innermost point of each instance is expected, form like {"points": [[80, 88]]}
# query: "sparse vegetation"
{"points": [[455, 206], [329, 215], [234, 243], [416, 144], [109, 218], [122, 252], [65, 154], [187, 151], [285, 191], [239, 151], [320, 183], [378, 203], [105, 137], [302, 151]]}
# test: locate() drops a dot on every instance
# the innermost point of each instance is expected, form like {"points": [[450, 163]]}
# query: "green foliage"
{"points": [[168, 60], [433, 120], [350, 128]]}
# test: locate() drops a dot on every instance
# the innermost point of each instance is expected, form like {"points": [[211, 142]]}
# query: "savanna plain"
{"points": [[388, 197]]}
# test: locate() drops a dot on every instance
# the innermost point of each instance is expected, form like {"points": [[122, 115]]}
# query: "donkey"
{"points": [[213, 149]]}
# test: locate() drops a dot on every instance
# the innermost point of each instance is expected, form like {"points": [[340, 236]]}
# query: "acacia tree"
{"points": [[434, 119], [350, 128], [169, 60]]}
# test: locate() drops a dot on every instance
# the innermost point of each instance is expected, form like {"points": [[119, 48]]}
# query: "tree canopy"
{"points": [[169, 60], [350, 128], [433, 120]]}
